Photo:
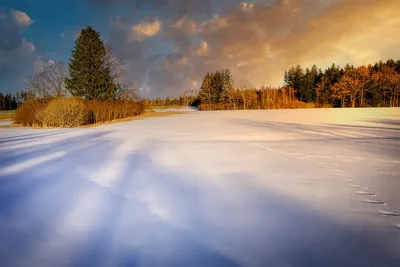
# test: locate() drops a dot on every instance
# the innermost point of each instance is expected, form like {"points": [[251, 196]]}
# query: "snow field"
{"points": [[236, 188]]}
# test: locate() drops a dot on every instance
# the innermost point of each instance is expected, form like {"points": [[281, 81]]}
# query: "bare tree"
{"points": [[48, 82], [364, 75], [127, 90], [341, 90], [323, 91], [115, 64], [394, 79]]}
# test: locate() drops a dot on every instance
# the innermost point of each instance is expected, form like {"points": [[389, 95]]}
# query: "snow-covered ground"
{"points": [[243, 188], [6, 122], [176, 109]]}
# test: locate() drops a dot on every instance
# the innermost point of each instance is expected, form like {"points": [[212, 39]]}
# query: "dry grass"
{"points": [[140, 117], [63, 112], [25, 114], [7, 115], [100, 112], [71, 112]]}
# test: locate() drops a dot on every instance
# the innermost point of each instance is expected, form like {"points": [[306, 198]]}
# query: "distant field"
{"points": [[164, 107], [7, 114]]}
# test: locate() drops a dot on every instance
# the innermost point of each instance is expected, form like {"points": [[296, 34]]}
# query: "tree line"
{"points": [[217, 92], [375, 85], [8, 101]]}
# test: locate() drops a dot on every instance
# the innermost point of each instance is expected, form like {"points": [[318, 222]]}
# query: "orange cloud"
{"points": [[146, 29]]}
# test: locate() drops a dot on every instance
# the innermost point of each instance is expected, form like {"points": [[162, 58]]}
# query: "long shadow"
{"points": [[316, 130], [44, 149], [317, 133], [154, 216], [104, 246], [386, 122], [260, 228], [33, 136], [21, 198], [19, 186]]}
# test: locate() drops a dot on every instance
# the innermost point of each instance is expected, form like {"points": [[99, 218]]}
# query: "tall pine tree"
{"points": [[90, 75]]}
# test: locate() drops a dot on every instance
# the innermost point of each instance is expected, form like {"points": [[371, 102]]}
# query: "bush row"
{"points": [[73, 112], [279, 105]]}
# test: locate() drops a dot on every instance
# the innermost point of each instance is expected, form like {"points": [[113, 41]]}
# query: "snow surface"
{"points": [[239, 188], [176, 109], [6, 122]]}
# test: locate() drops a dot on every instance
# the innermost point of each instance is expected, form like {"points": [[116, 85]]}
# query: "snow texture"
{"points": [[6, 122], [236, 188]]}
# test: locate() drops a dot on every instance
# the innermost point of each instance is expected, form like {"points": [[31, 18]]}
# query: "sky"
{"points": [[169, 45]]}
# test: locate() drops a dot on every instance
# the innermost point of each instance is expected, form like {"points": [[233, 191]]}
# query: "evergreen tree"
{"points": [[397, 66], [7, 101], [2, 102], [309, 84], [312, 96], [290, 77], [221, 82], [90, 75], [298, 84], [14, 103], [206, 91]]}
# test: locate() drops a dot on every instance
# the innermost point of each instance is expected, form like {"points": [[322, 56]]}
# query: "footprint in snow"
{"points": [[366, 193], [389, 213], [372, 201]]}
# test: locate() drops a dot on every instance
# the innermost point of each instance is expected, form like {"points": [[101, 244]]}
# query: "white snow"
{"points": [[20, 167], [6, 122], [176, 109], [230, 188]]}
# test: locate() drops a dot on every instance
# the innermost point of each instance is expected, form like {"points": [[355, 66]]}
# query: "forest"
{"points": [[375, 85]]}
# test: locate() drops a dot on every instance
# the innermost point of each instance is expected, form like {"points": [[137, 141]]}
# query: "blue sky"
{"points": [[168, 45], [56, 23]]}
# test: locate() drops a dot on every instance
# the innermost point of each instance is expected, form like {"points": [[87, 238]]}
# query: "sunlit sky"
{"points": [[168, 45]]}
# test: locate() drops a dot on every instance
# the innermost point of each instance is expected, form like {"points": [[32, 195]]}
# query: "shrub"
{"points": [[99, 112], [63, 112], [25, 114], [73, 112]]}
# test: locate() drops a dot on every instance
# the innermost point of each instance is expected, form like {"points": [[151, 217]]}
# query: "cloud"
{"points": [[247, 7], [22, 18], [202, 50], [257, 40], [28, 46], [260, 44], [17, 55], [176, 60], [185, 25], [172, 8], [145, 29]]}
